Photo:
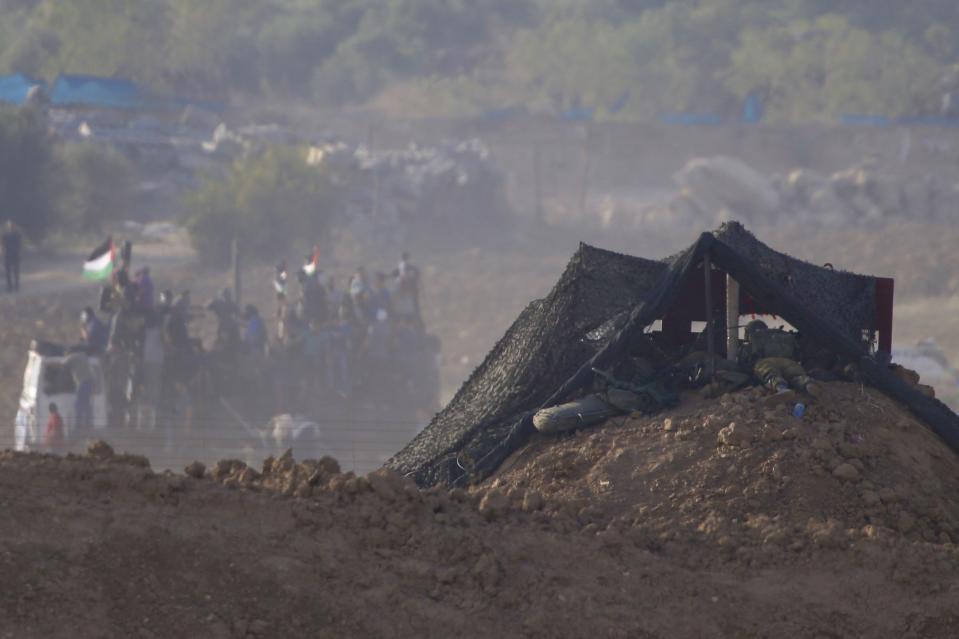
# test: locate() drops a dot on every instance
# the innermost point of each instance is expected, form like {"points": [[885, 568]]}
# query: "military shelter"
{"points": [[604, 300]]}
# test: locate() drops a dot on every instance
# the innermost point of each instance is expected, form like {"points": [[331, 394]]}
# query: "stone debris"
{"points": [[710, 190]]}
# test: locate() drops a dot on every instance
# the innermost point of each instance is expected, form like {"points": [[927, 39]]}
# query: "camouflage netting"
{"points": [[542, 348], [546, 355], [846, 300]]}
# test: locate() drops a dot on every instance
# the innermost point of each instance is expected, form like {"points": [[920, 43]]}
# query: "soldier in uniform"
{"points": [[772, 357]]}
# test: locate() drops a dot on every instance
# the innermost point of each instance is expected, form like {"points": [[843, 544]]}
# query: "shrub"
{"points": [[97, 187], [272, 202], [27, 169]]}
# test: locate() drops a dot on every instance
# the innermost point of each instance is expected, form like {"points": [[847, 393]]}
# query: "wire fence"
{"points": [[359, 445]]}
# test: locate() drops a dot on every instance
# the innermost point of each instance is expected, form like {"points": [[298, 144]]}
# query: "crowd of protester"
{"points": [[333, 349], [363, 342]]}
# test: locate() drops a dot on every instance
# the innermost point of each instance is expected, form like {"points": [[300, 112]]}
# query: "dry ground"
{"points": [[639, 528]]}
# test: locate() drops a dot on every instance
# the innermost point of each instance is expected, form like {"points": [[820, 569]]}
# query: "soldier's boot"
{"points": [[782, 393]]}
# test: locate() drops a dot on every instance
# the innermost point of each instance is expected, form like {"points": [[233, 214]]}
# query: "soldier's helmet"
{"points": [[755, 327]]}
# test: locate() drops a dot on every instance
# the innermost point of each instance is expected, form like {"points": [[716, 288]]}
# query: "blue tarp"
{"points": [[93, 91], [578, 114], [14, 88]]}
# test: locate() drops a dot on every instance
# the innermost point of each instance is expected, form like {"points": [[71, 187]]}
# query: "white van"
{"points": [[47, 379]]}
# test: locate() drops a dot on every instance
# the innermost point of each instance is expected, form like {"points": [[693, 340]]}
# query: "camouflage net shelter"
{"points": [[601, 302]]}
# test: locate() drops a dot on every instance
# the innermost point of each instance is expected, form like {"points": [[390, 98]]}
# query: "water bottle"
{"points": [[799, 410]]}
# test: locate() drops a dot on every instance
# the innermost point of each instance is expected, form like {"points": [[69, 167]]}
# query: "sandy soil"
{"points": [[678, 526]]}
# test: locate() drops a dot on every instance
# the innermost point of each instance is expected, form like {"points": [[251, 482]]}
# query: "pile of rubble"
{"points": [[743, 480], [391, 194], [714, 190]]}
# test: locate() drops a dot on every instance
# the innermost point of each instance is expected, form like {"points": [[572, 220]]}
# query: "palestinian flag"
{"points": [[99, 266]]}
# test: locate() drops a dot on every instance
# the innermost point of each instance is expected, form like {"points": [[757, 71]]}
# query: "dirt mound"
{"points": [[744, 480], [645, 529]]}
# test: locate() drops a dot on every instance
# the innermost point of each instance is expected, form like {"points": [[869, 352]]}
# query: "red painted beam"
{"points": [[885, 296]]}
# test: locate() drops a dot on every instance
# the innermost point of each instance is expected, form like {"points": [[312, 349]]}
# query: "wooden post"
{"points": [[710, 343], [237, 277], [732, 318]]}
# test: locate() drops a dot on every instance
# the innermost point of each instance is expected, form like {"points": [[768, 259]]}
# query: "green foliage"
{"points": [[96, 189], [814, 58], [270, 202], [75, 188], [817, 69], [27, 172]]}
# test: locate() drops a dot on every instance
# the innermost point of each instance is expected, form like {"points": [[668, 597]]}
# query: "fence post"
{"points": [[710, 344]]}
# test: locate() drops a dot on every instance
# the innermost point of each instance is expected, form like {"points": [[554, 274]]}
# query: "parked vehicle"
{"points": [[47, 379]]}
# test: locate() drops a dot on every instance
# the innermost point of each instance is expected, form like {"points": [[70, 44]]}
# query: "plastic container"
{"points": [[799, 410]]}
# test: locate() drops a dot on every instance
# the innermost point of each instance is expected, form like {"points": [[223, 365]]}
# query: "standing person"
{"points": [[177, 360], [313, 303], [361, 295], [407, 294], [79, 366], [123, 356], [229, 304], [381, 293], [283, 311], [93, 332], [12, 247], [254, 332], [53, 439], [280, 278], [378, 357], [152, 370], [144, 289], [334, 297]]}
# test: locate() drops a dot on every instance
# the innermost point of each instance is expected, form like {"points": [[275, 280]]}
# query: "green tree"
{"points": [[819, 69], [97, 187], [105, 37], [27, 172], [270, 202]]}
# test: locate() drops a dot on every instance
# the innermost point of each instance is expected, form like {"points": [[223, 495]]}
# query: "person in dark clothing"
{"points": [[144, 289], [381, 293], [176, 339], [178, 361], [313, 303], [228, 303], [12, 244], [93, 332], [254, 332]]}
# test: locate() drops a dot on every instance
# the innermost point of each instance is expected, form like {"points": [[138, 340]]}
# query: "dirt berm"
{"points": [[722, 519]]}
